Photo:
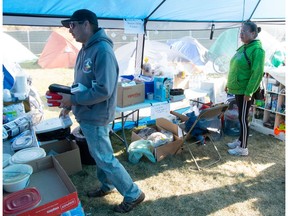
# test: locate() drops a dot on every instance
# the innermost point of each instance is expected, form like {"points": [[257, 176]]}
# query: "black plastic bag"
{"points": [[259, 94]]}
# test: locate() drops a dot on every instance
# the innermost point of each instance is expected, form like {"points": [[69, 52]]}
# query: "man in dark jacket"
{"points": [[94, 107]]}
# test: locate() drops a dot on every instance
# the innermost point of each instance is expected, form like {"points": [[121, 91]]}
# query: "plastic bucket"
{"points": [[16, 177], [85, 155]]}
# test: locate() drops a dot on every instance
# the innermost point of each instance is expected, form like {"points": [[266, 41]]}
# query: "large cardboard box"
{"points": [[165, 150], [130, 95], [67, 153], [58, 193]]}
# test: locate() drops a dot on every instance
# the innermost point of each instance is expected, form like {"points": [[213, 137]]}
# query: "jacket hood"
{"points": [[100, 35]]}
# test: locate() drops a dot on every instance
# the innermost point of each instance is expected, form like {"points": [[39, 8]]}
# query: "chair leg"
{"points": [[216, 149], [207, 165], [194, 159]]}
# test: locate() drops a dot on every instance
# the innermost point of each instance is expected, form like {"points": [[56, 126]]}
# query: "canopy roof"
{"points": [[159, 14]]}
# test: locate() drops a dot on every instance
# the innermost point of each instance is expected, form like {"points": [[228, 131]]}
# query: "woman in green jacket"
{"points": [[245, 75]]}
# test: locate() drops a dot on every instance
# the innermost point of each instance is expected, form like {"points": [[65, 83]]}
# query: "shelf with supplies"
{"points": [[268, 115]]}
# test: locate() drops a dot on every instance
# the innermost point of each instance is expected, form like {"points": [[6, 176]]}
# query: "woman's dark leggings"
{"points": [[243, 109]]}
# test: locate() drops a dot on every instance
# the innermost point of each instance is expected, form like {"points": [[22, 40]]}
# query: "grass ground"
{"points": [[253, 185]]}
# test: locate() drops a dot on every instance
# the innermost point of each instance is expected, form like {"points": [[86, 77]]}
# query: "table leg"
{"points": [[123, 130], [123, 121]]}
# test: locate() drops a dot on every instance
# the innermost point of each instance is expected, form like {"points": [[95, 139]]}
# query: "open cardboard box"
{"points": [[67, 153], [58, 193], [170, 148]]}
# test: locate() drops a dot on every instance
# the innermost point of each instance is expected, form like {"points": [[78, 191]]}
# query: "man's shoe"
{"points": [[234, 144], [128, 206], [97, 193], [238, 151]]}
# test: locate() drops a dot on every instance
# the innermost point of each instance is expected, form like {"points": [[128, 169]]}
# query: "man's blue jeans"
{"points": [[110, 171]]}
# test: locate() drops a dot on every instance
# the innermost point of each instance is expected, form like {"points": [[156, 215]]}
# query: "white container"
{"points": [[6, 158], [16, 177], [27, 154]]}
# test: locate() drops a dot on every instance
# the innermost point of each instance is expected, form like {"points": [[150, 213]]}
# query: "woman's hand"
{"points": [[247, 98]]}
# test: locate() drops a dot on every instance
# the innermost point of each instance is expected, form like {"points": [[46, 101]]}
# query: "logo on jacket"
{"points": [[87, 65]]}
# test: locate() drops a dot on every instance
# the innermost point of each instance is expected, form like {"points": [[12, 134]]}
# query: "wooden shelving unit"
{"points": [[268, 116]]}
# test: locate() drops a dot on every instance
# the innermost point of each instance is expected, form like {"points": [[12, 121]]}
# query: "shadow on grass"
{"points": [[263, 192]]}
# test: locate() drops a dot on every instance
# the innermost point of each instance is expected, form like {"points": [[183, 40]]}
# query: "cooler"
{"points": [[53, 129]]}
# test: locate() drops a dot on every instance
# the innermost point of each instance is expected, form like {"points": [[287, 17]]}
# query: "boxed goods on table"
{"points": [[162, 86], [130, 95], [149, 89]]}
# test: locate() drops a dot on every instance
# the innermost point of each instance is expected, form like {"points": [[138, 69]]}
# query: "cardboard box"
{"points": [[181, 81], [165, 150], [162, 86], [67, 153], [58, 194], [130, 95], [26, 104], [169, 126]]}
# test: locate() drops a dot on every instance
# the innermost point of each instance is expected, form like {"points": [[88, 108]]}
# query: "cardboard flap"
{"points": [[169, 126]]}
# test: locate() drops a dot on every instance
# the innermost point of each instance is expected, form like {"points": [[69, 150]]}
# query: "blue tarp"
{"points": [[161, 11], [142, 121]]}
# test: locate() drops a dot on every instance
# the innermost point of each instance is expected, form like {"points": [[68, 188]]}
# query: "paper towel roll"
{"points": [[21, 84]]}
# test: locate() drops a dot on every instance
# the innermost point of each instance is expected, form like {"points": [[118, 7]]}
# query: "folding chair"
{"points": [[209, 113]]}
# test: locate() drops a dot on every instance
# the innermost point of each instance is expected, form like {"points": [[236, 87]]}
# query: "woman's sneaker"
{"points": [[238, 151], [234, 144]]}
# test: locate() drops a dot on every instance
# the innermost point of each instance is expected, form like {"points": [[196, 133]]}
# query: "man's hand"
{"points": [[65, 101], [64, 112]]}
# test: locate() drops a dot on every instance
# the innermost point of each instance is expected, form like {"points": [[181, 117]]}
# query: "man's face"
{"points": [[77, 29]]}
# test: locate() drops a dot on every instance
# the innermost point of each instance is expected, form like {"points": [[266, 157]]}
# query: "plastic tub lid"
{"points": [[16, 172], [28, 154], [52, 124], [6, 158], [20, 201], [22, 142]]}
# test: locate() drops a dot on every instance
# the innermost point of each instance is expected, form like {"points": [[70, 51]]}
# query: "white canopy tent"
{"points": [[160, 15], [155, 14]]}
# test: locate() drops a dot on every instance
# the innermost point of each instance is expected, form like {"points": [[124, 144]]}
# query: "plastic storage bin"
{"points": [[231, 122]]}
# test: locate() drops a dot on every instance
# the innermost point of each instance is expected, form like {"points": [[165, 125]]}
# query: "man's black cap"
{"points": [[81, 15]]}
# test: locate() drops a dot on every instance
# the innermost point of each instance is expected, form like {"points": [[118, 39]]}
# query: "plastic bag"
{"points": [[140, 148]]}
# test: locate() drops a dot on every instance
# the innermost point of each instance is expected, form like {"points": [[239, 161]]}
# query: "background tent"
{"points": [[227, 43], [156, 14], [155, 52], [14, 51], [60, 51], [190, 48]]}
